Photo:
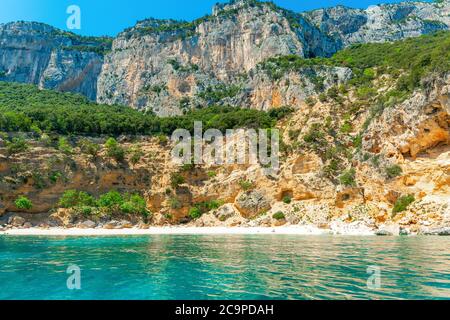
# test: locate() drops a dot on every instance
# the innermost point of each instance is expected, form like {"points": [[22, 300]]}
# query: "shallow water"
{"points": [[225, 267]]}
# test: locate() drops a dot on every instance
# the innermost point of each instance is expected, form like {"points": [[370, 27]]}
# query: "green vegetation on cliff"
{"points": [[403, 203], [99, 45], [26, 108], [214, 94], [410, 60], [111, 203], [23, 203]]}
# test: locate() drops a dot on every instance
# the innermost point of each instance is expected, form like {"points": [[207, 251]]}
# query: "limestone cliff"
{"points": [[169, 66], [40, 54], [381, 23]]}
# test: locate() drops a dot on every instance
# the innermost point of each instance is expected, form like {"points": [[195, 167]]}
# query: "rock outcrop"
{"points": [[420, 123], [39, 54]]}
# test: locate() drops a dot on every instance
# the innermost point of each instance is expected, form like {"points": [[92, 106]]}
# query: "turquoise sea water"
{"points": [[225, 267]]}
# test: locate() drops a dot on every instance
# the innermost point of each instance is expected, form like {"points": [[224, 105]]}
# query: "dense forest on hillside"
{"points": [[25, 107]]}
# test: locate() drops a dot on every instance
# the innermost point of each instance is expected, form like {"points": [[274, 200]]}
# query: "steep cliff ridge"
{"points": [[169, 66], [381, 23], [158, 63], [37, 53]]}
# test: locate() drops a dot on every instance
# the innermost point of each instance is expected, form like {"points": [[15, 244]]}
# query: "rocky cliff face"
{"points": [[413, 135], [45, 173], [415, 126], [157, 64], [381, 23], [167, 66], [39, 54]]}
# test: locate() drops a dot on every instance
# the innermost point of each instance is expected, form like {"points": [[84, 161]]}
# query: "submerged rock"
{"points": [[383, 233], [445, 231], [388, 230], [404, 232]]}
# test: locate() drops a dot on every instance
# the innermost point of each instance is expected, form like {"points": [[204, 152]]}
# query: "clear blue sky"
{"points": [[108, 17]]}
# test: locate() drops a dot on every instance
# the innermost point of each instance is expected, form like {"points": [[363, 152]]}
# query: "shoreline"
{"points": [[289, 230]]}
